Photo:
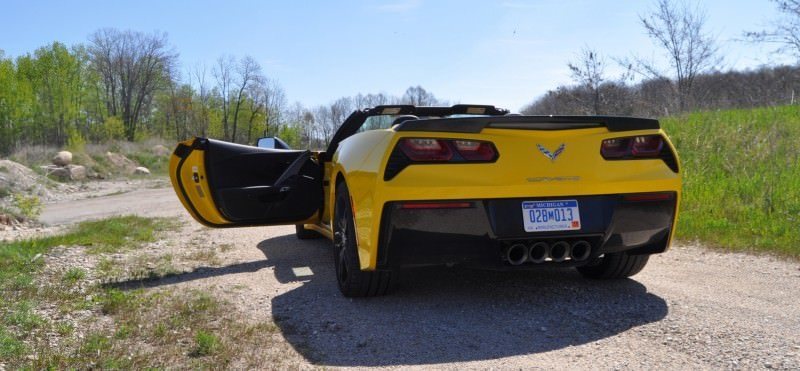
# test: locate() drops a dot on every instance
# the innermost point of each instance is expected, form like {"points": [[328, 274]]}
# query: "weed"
{"points": [[206, 344], [115, 301], [65, 329], [29, 207], [74, 275], [95, 343], [9, 345], [23, 317]]}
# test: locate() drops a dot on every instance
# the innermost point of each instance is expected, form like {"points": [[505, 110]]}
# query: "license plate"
{"points": [[556, 215]]}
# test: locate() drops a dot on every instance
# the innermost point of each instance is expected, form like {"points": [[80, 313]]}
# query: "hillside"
{"points": [[741, 172]]}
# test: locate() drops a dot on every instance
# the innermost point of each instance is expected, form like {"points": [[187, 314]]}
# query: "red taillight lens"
{"points": [[647, 146], [642, 146], [426, 149], [615, 148], [472, 150]]}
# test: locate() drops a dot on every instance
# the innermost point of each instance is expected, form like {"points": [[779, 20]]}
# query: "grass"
{"points": [[158, 165], [126, 329], [206, 344], [741, 178], [20, 261]]}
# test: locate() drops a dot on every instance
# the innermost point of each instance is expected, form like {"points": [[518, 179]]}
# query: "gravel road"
{"points": [[690, 308]]}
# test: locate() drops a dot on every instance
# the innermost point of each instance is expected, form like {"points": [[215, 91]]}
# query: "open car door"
{"points": [[224, 184]]}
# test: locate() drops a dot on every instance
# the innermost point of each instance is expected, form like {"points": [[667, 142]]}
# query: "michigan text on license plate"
{"points": [[555, 215]]}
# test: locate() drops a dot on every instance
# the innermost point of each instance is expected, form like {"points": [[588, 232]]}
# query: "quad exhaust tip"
{"points": [[580, 251], [559, 251], [541, 251], [517, 254], [537, 253]]}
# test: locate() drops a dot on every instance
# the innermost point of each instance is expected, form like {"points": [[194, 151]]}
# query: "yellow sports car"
{"points": [[402, 186]]}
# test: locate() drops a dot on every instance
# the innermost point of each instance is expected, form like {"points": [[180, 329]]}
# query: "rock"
{"points": [[160, 150], [76, 172], [119, 161], [69, 172], [62, 158], [56, 171], [141, 170]]}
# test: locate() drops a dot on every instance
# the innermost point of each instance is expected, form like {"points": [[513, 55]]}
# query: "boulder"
{"points": [[62, 158], [141, 170], [121, 163], [69, 172], [160, 150], [76, 172]]}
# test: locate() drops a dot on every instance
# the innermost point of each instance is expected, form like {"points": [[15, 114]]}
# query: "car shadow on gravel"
{"points": [[446, 315]]}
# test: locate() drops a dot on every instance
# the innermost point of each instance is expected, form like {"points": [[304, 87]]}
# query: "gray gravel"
{"points": [[690, 308]]}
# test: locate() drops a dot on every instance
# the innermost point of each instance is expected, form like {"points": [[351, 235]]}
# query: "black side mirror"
{"points": [[271, 142]]}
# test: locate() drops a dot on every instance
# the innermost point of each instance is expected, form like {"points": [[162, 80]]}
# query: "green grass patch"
{"points": [[206, 344], [73, 275], [158, 165], [741, 178]]}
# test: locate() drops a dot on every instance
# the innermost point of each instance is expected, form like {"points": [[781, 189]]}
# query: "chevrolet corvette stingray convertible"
{"points": [[402, 186]]}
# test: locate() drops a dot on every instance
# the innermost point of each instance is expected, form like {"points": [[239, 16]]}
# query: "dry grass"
{"points": [[70, 320]]}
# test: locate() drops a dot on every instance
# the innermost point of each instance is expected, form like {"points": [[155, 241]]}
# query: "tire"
{"points": [[616, 265], [305, 234], [352, 281]]}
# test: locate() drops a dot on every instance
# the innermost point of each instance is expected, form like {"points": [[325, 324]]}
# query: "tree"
{"points": [[418, 96], [275, 105], [680, 31], [133, 65], [248, 72], [223, 73], [589, 71], [785, 31]]}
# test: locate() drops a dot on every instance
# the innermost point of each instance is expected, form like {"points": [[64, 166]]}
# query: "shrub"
{"points": [[29, 207], [206, 344]]}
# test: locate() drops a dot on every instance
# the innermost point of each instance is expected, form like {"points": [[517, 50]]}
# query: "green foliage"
{"points": [[30, 207], [74, 275], [741, 178], [75, 141], [19, 259], [156, 164], [22, 316], [111, 129], [10, 346], [206, 344]]}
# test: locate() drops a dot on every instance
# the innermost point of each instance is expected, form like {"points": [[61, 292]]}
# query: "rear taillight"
{"points": [[447, 150], [426, 149], [615, 148], [647, 146], [643, 146], [473, 150], [435, 150]]}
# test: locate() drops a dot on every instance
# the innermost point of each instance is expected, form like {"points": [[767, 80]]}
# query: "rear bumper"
{"points": [[479, 235]]}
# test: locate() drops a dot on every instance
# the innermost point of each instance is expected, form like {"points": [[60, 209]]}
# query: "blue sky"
{"points": [[494, 52]]}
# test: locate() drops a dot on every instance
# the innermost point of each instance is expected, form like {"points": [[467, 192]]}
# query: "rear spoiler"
{"points": [[476, 124]]}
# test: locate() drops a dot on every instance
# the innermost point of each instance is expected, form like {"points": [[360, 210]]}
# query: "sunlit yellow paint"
{"points": [[521, 171], [515, 173], [200, 197]]}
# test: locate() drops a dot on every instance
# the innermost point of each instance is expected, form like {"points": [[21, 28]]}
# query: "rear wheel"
{"points": [[305, 234], [353, 282], [616, 265]]}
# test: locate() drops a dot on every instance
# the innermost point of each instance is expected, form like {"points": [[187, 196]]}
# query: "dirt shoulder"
{"points": [[690, 308]]}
